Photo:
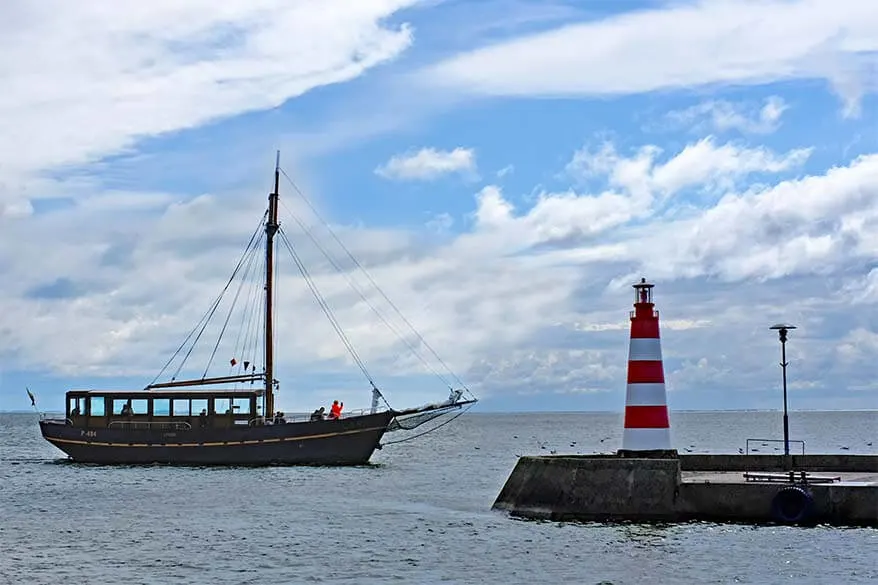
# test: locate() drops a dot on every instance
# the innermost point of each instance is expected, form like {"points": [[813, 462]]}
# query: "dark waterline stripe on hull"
{"points": [[213, 444]]}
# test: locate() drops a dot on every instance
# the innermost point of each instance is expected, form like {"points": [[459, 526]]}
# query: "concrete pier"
{"points": [[823, 489]]}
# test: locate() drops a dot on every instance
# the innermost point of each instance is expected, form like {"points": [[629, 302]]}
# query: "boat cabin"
{"points": [[168, 409]]}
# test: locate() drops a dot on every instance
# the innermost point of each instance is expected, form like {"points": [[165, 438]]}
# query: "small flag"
{"points": [[233, 361], [246, 365], [33, 401]]}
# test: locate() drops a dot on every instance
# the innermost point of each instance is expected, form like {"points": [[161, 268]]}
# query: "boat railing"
{"points": [[306, 417], [357, 412], [55, 419], [261, 420], [151, 425]]}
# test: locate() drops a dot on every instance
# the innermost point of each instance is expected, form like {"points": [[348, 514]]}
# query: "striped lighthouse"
{"points": [[647, 427]]}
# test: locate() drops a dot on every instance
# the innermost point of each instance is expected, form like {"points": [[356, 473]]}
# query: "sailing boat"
{"points": [[216, 421]]}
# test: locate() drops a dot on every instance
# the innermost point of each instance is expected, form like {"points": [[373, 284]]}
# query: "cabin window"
{"points": [[161, 406], [96, 406], [76, 406], [199, 404], [222, 405], [241, 405], [181, 407], [139, 406], [119, 404]]}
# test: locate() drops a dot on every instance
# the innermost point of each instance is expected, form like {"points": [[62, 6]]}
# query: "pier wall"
{"points": [[601, 487], [751, 502], [608, 487]]}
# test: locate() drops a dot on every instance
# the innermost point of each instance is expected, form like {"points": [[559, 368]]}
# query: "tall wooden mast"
{"points": [[271, 227]]}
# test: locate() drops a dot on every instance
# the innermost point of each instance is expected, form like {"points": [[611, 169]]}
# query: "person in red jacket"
{"points": [[335, 411]]}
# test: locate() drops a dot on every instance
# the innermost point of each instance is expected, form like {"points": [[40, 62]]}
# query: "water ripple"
{"points": [[420, 515]]}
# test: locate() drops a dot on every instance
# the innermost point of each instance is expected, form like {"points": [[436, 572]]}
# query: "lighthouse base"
{"points": [[828, 489]]}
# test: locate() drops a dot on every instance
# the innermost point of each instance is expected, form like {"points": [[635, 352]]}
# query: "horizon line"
{"points": [[681, 410]]}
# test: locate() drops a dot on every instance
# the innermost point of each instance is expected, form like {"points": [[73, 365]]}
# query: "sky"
{"points": [[504, 170]]}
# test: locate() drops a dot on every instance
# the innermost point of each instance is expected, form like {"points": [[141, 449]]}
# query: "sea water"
{"points": [[420, 514]]}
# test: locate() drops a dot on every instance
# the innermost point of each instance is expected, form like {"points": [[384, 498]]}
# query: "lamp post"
{"points": [[782, 333]]}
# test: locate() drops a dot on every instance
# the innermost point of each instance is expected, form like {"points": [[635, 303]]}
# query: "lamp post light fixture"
{"points": [[782, 333]]}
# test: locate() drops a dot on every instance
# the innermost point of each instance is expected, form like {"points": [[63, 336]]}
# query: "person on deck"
{"points": [[318, 414], [335, 411]]}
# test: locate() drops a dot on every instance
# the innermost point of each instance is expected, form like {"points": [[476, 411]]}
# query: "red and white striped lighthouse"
{"points": [[647, 427]]}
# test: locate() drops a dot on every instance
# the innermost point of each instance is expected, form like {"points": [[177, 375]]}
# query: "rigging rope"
{"points": [[223, 292], [249, 255], [259, 322], [371, 280], [325, 307], [356, 288], [207, 316], [191, 333], [232, 306], [254, 321], [437, 427], [244, 327]]}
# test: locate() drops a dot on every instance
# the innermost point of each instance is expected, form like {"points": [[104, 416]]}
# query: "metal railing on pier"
{"points": [[767, 442]]}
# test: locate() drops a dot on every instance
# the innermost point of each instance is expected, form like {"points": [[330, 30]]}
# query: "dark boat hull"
{"points": [[349, 441]]}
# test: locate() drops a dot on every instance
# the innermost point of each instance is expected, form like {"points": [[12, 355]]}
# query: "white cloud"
{"points": [[722, 116], [492, 210], [428, 163], [567, 371], [858, 345], [441, 222], [87, 79], [508, 169], [681, 46], [528, 299], [698, 372], [814, 224], [704, 164], [863, 290]]}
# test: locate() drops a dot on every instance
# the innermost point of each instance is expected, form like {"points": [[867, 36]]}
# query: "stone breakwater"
{"points": [[804, 489]]}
